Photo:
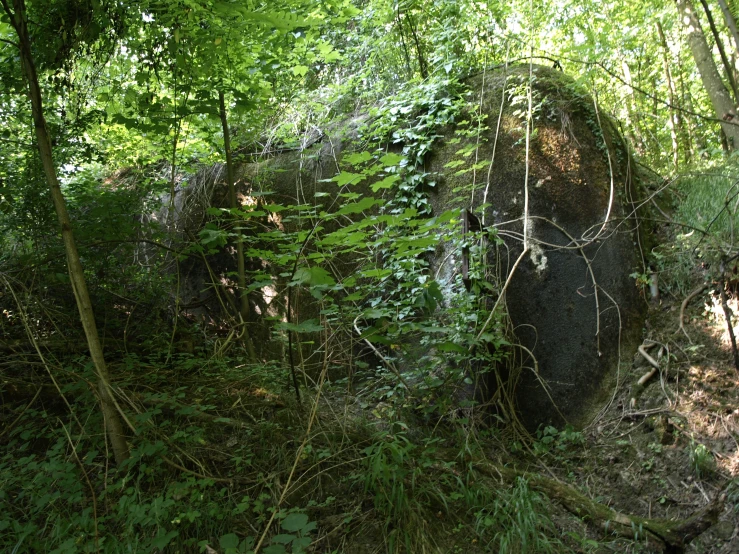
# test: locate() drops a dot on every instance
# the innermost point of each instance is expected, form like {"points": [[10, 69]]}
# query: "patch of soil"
{"points": [[668, 449]]}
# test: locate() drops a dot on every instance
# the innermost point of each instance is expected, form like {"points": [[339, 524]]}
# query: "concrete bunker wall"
{"points": [[571, 301]]}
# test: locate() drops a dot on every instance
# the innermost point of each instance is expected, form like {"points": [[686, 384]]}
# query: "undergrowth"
{"points": [[195, 484], [373, 453]]}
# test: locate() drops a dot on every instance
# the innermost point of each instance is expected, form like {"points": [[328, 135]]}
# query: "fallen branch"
{"points": [[648, 375], [673, 536]]}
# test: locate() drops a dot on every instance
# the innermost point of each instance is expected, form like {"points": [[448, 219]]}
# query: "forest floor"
{"points": [[224, 458], [661, 451], [669, 449]]}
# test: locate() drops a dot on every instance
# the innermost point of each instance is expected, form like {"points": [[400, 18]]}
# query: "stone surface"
{"points": [[579, 175], [572, 189]]}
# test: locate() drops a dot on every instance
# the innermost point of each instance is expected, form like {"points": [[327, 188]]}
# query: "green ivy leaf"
{"points": [[348, 178], [386, 183]]}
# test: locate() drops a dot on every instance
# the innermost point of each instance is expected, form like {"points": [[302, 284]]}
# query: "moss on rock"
{"points": [[578, 177]]}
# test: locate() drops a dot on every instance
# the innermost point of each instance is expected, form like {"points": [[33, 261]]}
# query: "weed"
{"points": [[551, 440], [701, 459], [516, 523]]}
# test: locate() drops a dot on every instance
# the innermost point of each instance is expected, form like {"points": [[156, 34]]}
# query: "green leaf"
{"points": [[391, 159], [163, 539], [376, 273], [308, 326], [348, 178], [294, 522], [454, 163], [274, 549], [327, 52], [301, 544], [216, 237], [275, 208], [300, 70], [231, 540], [313, 276], [386, 183], [283, 539], [357, 158], [343, 238], [357, 207]]}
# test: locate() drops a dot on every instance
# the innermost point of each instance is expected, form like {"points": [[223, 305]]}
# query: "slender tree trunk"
{"points": [[243, 297], [76, 274], [721, 51], [685, 101], [721, 101], [402, 42], [632, 112], [730, 23], [728, 314], [674, 122], [422, 64]]}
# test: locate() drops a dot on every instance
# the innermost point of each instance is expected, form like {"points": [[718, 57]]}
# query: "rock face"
{"points": [[573, 306], [571, 300]]}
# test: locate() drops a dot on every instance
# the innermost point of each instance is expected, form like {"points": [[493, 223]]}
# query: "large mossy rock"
{"points": [[579, 175], [571, 300]]}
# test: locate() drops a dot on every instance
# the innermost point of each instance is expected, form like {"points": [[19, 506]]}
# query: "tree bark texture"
{"points": [[243, 296], [76, 274], [722, 52], [730, 23], [721, 101]]}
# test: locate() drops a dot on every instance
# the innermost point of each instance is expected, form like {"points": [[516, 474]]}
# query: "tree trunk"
{"points": [[730, 23], [243, 297], [675, 122], [721, 51], [687, 103], [721, 101], [76, 274], [632, 112]]}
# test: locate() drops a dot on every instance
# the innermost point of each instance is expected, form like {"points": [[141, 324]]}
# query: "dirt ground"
{"points": [[667, 449]]}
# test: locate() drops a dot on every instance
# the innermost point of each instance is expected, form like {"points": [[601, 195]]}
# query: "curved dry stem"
{"points": [[390, 365], [298, 456], [684, 305], [618, 363]]}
